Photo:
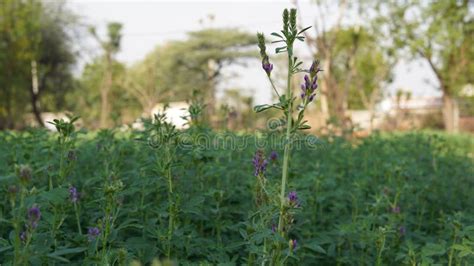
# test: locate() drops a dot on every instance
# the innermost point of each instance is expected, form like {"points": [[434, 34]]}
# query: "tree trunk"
{"points": [[450, 114], [34, 92], [325, 89], [104, 94]]}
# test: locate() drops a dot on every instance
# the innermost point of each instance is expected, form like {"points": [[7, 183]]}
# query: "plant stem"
{"points": [[379, 253], [273, 86], [77, 218], [171, 204], [286, 155], [451, 252]]}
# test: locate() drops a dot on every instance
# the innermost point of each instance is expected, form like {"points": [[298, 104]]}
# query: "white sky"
{"points": [[149, 23]]}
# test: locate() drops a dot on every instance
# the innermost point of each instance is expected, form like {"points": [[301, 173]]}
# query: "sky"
{"points": [[150, 23]]}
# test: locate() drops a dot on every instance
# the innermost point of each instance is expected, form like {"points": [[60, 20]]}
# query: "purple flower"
{"points": [[260, 163], [34, 215], [267, 67], [396, 209], [273, 156], [93, 232], [73, 194], [293, 197], [23, 236], [306, 79], [402, 230], [309, 87], [314, 69], [274, 228]]}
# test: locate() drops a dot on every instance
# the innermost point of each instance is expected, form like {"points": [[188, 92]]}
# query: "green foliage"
{"points": [[348, 192]]}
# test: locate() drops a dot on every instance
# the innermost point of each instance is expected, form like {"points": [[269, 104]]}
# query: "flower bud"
{"points": [[292, 244], [24, 174]]}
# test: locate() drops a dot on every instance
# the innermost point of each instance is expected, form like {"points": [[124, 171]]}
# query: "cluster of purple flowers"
{"points": [[273, 156], [293, 199], [267, 67], [309, 87], [260, 163], [34, 215], [92, 233], [73, 194]]}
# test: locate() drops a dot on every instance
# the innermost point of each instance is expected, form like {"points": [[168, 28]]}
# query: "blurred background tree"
{"points": [[36, 59], [103, 81], [358, 42], [361, 69], [356, 67], [196, 63], [441, 33], [107, 61]]}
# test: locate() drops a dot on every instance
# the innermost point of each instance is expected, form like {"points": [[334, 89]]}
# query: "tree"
{"points": [[18, 45], [355, 65], [88, 99], [440, 33], [172, 71], [333, 104], [361, 70], [110, 48], [35, 58]]}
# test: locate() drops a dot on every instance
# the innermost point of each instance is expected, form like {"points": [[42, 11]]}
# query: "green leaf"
{"points": [[460, 247], [276, 35], [303, 30], [280, 49], [6, 178], [260, 108], [465, 253], [3, 249], [58, 258], [303, 127], [432, 249], [316, 248], [56, 195], [67, 251]]}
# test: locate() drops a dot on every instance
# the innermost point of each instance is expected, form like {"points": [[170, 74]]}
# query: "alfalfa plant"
{"points": [[293, 108], [67, 155], [164, 137]]}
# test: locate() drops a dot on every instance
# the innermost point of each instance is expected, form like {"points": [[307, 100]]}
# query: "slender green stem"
{"points": [[451, 252], [16, 226], [379, 254], [78, 221], [273, 86], [106, 234], [171, 204], [286, 155]]}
